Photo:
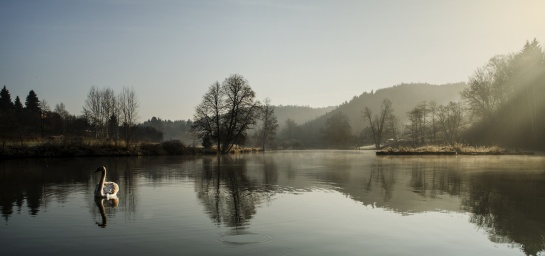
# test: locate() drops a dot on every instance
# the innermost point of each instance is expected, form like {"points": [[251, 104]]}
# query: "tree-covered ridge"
{"points": [[403, 96], [299, 114]]}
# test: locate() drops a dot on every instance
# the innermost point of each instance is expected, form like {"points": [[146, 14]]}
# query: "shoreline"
{"points": [[431, 153], [69, 151]]}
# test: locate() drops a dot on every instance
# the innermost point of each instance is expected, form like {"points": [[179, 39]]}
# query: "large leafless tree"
{"points": [[377, 122], [128, 110], [226, 112], [269, 124]]}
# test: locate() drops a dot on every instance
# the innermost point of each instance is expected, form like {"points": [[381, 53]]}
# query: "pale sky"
{"points": [[315, 52]]}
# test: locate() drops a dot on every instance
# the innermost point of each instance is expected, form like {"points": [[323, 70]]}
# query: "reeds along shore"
{"points": [[458, 149]]}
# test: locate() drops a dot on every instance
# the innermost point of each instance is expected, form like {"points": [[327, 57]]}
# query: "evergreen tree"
{"points": [[32, 102], [5, 99], [18, 105]]}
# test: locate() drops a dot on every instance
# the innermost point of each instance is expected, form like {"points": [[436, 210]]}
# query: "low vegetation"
{"points": [[456, 148]]}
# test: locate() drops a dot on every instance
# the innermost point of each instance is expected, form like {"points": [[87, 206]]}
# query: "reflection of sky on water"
{"points": [[309, 197]]}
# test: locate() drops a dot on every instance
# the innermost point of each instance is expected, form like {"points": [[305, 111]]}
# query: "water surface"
{"points": [[281, 203]]}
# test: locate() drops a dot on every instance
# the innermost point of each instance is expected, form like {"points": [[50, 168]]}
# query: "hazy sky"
{"points": [[314, 52]]}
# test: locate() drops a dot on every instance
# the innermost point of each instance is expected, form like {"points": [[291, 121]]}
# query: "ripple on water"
{"points": [[239, 238]]}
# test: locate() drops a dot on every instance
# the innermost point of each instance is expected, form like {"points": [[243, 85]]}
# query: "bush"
{"points": [[174, 147]]}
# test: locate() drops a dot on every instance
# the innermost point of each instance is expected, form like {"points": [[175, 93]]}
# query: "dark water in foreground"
{"points": [[282, 203]]}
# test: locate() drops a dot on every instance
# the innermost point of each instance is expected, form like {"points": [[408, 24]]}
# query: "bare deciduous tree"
{"points": [[377, 122], [102, 110], [267, 132], [128, 109], [450, 119], [489, 87], [227, 112], [61, 110], [92, 110]]}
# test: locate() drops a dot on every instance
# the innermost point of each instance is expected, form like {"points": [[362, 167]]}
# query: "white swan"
{"points": [[105, 189]]}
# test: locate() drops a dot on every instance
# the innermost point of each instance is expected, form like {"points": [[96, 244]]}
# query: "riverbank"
{"points": [[59, 150]]}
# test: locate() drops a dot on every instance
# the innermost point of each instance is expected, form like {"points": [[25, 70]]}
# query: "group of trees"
{"points": [[309, 130], [227, 112], [500, 106], [505, 99], [430, 123], [105, 114], [167, 130], [111, 115], [34, 118]]}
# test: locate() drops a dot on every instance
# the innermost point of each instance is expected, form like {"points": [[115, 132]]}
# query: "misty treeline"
{"points": [[501, 104]]}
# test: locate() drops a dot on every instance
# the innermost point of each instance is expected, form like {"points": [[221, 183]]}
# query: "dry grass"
{"points": [[244, 150], [460, 148]]}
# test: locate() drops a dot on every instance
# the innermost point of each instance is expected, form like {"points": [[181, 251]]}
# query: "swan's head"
{"points": [[101, 169]]}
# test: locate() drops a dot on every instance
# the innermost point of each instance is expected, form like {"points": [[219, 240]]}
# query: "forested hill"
{"points": [[404, 98], [299, 114]]}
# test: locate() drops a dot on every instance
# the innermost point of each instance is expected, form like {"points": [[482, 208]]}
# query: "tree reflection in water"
{"points": [[503, 196], [510, 207], [229, 195]]}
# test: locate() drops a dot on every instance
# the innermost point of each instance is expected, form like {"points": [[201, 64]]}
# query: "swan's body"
{"points": [[105, 189]]}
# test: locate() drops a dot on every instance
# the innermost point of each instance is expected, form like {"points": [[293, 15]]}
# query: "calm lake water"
{"points": [[281, 203]]}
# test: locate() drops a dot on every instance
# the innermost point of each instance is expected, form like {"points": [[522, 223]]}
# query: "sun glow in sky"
{"points": [[317, 53]]}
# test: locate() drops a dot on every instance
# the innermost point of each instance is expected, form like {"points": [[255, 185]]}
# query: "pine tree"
{"points": [[32, 102], [5, 100], [18, 105]]}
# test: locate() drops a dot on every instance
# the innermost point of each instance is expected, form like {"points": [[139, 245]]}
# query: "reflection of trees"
{"points": [[382, 176], [35, 183], [270, 173], [432, 178], [510, 209], [228, 194]]}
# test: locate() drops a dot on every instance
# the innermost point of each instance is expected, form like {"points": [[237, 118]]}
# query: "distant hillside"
{"points": [[299, 114], [404, 98]]}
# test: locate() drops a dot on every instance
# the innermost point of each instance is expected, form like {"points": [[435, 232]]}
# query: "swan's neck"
{"points": [[103, 178], [101, 184]]}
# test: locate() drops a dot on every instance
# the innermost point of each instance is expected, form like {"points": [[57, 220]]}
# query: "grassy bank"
{"points": [[458, 149], [89, 147]]}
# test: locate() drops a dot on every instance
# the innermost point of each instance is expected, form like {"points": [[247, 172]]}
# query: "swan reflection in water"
{"points": [[101, 204]]}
